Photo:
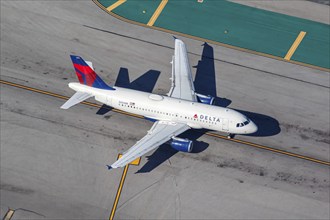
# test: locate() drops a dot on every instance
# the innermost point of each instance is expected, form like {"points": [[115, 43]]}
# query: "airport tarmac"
{"points": [[234, 25], [295, 8], [53, 160]]}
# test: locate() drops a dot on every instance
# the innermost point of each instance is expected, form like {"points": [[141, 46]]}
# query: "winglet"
{"points": [[174, 37], [109, 167]]}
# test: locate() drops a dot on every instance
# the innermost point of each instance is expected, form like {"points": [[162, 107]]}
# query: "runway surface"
{"points": [[53, 161]]}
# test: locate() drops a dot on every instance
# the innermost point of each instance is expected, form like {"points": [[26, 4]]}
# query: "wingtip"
{"points": [[109, 167], [63, 107], [174, 37]]}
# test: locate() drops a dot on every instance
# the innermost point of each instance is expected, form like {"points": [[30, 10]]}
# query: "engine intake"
{"points": [[206, 99], [181, 144]]}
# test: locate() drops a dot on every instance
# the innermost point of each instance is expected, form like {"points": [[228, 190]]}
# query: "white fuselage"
{"points": [[158, 107]]}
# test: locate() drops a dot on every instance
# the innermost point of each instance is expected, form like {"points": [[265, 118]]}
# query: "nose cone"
{"points": [[252, 127]]}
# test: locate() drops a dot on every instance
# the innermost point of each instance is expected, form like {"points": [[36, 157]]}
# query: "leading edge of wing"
{"points": [[160, 132]]}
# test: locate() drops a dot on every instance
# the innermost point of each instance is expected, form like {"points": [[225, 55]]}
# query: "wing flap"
{"points": [[159, 133]]}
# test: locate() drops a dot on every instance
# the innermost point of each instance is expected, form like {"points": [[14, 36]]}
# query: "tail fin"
{"points": [[87, 75]]}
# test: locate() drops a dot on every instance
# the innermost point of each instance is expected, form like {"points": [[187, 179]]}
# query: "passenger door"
{"points": [[225, 125]]}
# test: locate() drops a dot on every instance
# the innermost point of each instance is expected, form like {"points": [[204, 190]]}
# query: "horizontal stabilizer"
{"points": [[75, 99]]}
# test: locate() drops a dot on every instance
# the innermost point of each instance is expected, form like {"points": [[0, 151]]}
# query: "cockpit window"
{"points": [[243, 124]]}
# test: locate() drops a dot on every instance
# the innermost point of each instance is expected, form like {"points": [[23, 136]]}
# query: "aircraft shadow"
{"points": [[205, 83], [144, 83], [267, 126], [205, 80], [165, 151]]}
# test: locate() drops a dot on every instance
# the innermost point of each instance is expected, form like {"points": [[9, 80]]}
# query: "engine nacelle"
{"points": [[205, 99], [181, 144]]}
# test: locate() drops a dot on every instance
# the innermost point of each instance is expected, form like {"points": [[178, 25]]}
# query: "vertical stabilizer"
{"points": [[87, 75]]}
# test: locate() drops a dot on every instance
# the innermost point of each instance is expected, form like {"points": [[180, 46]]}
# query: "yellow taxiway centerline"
{"points": [[9, 214], [120, 188], [295, 45], [136, 162], [115, 5], [157, 12], [208, 133]]}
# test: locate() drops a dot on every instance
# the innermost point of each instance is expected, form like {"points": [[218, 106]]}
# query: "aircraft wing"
{"points": [[159, 133], [182, 83]]}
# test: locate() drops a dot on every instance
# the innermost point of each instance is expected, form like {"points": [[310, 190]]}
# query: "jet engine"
{"points": [[181, 144], [206, 99]]}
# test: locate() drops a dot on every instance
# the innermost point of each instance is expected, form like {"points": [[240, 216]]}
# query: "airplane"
{"points": [[178, 111]]}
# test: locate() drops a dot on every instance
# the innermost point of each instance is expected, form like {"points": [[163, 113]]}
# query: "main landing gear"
{"points": [[230, 136]]}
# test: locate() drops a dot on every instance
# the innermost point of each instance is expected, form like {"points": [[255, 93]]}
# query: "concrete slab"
{"points": [[26, 214], [3, 211]]}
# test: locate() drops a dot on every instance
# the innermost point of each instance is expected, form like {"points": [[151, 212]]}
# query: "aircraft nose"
{"points": [[253, 127]]}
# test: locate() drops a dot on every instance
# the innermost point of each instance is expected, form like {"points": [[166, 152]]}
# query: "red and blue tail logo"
{"points": [[87, 75]]}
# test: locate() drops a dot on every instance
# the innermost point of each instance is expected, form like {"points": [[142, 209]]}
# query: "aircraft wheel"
{"points": [[230, 136]]}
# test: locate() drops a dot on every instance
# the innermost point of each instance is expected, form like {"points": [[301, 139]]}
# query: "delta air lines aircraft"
{"points": [[180, 110]]}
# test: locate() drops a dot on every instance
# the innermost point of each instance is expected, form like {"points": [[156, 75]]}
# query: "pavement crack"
{"points": [[177, 199], [27, 210], [135, 196]]}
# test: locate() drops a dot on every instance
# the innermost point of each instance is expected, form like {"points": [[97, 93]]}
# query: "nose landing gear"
{"points": [[230, 136]]}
